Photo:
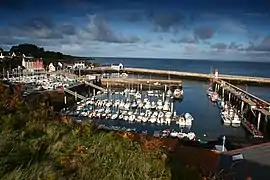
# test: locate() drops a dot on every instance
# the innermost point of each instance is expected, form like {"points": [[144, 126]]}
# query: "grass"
{"points": [[35, 144]]}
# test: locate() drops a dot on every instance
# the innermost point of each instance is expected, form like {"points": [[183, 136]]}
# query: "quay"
{"points": [[254, 111], [183, 75]]}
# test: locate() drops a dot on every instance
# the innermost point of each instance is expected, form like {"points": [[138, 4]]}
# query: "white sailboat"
{"points": [[225, 118], [177, 94], [236, 121]]}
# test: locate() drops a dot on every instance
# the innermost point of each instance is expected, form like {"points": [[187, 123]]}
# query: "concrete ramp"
{"points": [[94, 86], [74, 94]]}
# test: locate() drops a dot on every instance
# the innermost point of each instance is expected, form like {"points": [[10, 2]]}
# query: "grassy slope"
{"points": [[35, 146]]}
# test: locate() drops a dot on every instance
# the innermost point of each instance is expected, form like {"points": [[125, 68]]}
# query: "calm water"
{"points": [[206, 115]]}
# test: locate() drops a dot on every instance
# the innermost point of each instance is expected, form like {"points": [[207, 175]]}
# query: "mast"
{"points": [[150, 82]]}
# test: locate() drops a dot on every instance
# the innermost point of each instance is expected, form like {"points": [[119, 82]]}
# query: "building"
{"points": [[79, 65], [51, 67], [33, 65], [252, 161], [93, 76], [117, 67], [216, 73], [2, 56]]}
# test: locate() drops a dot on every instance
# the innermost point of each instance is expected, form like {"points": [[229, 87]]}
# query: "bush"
{"points": [[35, 146]]}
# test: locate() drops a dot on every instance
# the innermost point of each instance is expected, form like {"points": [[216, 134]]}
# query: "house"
{"points": [[93, 76], [2, 56], [117, 67], [27, 57], [13, 55], [33, 65], [79, 65], [252, 161], [51, 67]]}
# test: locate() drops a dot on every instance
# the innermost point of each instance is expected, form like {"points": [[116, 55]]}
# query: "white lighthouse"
{"points": [[216, 73]]}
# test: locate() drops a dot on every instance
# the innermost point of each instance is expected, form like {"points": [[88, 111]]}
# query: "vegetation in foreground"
{"points": [[35, 146]]}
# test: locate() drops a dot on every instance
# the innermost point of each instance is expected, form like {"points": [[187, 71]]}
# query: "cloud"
{"points": [[263, 46], [219, 46], [203, 33], [230, 47], [100, 31], [68, 29], [12, 4], [166, 21], [45, 32], [38, 28], [157, 46], [232, 26], [185, 40], [234, 46]]}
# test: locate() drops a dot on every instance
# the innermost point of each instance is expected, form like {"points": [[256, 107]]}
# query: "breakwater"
{"points": [[183, 75]]}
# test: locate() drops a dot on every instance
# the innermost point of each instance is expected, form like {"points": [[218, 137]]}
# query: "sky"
{"points": [[186, 29]]}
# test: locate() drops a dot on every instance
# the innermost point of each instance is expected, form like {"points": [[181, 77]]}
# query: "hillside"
{"points": [[36, 52], [37, 144]]}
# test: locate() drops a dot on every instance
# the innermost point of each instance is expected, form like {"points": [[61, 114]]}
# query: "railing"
{"points": [[95, 86], [243, 91], [74, 94]]}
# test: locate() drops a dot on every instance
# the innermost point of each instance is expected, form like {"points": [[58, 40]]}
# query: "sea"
{"points": [[207, 124]]}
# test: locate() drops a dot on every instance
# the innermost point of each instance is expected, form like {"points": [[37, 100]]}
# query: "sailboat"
{"points": [[177, 94], [150, 92]]}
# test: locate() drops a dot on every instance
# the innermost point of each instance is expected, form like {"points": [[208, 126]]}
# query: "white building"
{"points": [[51, 67], [216, 73], [79, 65], [117, 67], [93, 76], [1, 56], [13, 54]]}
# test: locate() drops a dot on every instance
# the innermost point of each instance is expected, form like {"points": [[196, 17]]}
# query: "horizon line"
{"points": [[185, 59]]}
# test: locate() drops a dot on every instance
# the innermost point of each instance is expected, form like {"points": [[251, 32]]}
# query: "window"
{"points": [[237, 157]]}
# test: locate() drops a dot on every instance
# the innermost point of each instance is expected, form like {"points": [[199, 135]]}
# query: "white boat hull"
{"points": [[225, 119]]}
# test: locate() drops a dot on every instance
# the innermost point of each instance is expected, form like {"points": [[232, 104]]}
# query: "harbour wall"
{"points": [[183, 75], [252, 108]]}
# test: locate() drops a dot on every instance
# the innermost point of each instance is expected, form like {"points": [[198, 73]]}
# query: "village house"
{"points": [[117, 67], [51, 67], [32, 65]]}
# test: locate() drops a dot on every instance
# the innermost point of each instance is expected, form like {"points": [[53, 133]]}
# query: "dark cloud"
{"points": [[203, 33], [13, 4], [100, 31], [234, 46], [253, 38], [206, 42], [263, 46], [68, 29], [185, 40], [219, 46], [39, 27], [167, 21], [41, 31]]}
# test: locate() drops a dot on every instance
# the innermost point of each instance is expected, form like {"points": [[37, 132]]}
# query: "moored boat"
{"points": [[177, 94], [225, 119]]}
